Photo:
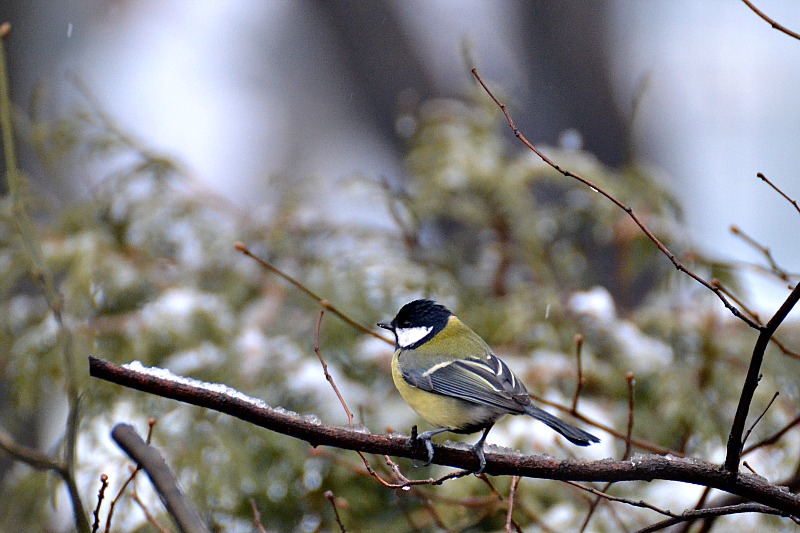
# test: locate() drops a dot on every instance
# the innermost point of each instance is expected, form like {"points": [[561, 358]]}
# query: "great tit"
{"points": [[451, 378]]}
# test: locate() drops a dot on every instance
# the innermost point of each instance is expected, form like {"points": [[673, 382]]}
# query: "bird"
{"points": [[449, 375]]}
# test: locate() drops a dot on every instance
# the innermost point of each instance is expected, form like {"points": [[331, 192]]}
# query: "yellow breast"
{"points": [[439, 410]]}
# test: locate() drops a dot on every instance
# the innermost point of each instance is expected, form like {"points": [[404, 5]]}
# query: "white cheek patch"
{"points": [[408, 336]]}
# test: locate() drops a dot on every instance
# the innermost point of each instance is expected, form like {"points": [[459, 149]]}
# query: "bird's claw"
{"points": [[478, 449], [426, 440]]}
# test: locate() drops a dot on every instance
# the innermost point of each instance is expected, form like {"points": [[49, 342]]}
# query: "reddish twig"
{"points": [[330, 497], [325, 369], [635, 503], [325, 304], [776, 189], [595, 504], [256, 517], [512, 494], [628, 210], [147, 514], [771, 22], [151, 422], [641, 444], [774, 268], [581, 382]]}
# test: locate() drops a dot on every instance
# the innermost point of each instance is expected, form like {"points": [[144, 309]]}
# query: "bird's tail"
{"points": [[571, 433]]}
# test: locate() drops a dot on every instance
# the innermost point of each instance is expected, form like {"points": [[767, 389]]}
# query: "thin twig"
{"points": [[778, 344], [639, 443], [771, 22], [330, 497], [512, 494], [772, 439], [256, 517], [325, 304], [747, 434], [699, 505], [631, 399], [596, 503], [151, 422], [774, 268], [628, 210], [635, 503], [426, 504], [100, 495], [775, 187], [152, 520], [325, 369], [709, 512], [750, 468], [581, 382]]}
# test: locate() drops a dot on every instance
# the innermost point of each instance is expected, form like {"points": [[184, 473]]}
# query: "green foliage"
{"points": [[147, 270]]}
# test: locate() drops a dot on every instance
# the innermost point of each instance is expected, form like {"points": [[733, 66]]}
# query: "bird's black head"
{"points": [[417, 322]]}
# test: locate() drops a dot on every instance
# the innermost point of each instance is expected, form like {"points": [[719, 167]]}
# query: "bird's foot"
{"points": [[478, 449]]}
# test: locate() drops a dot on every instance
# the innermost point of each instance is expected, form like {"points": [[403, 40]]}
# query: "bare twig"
{"points": [[151, 519], [162, 477], [581, 382], [773, 438], [775, 187], [628, 210], [256, 517], [596, 503], [639, 443], [512, 493], [751, 380], [325, 304], [711, 511], [771, 22], [747, 434], [330, 497], [325, 369], [635, 503], [29, 456], [100, 495], [134, 471], [774, 268], [631, 399], [750, 468]]}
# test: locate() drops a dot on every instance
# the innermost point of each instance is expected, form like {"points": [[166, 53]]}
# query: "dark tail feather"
{"points": [[571, 433]]}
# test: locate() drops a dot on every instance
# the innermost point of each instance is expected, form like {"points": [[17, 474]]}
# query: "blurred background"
{"points": [[347, 143], [240, 91]]}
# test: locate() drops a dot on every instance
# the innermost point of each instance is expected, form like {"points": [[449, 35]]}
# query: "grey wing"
{"points": [[486, 380]]}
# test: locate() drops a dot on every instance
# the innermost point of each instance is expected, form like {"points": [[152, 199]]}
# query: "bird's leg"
{"points": [[425, 437], [478, 449]]}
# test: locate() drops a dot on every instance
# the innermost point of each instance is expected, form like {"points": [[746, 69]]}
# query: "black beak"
{"points": [[386, 325]]}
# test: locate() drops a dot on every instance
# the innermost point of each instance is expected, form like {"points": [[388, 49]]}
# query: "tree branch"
{"points": [[751, 381], [163, 479], [640, 468]]}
